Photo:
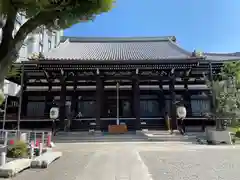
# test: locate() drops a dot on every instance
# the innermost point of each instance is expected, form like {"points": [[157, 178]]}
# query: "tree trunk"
{"points": [[4, 64], [3, 72]]}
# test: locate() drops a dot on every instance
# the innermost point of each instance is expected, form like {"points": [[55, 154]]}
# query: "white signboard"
{"points": [[181, 112], [54, 113]]}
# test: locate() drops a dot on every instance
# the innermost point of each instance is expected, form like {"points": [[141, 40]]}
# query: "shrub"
{"points": [[18, 150], [237, 134]]}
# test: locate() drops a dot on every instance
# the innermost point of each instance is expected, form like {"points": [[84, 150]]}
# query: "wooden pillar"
{"points": [[173, 123], [136, 101], [99, 100], [62, 103], [162, 102], [74, 98], [187, 97], [211, 94], [25, 100], [21, 97], [48, 100]]}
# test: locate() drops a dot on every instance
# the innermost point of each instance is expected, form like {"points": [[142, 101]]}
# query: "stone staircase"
{"points": [[97, 137], [140, 136], [165, 136]]}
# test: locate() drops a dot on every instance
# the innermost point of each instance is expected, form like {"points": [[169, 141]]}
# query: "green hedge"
{"points": [[18, 150]]}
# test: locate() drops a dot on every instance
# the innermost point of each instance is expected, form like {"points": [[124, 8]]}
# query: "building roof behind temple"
{"points": [[127, 48], [137, 48], [222, 56]]}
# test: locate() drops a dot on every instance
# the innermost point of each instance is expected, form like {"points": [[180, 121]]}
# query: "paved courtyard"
{"points": [[140, 161]]}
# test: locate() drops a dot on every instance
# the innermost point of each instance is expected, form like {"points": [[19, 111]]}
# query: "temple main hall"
{"points": [[105, 81]]}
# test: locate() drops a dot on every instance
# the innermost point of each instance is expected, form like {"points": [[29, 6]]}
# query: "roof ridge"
{"points": [[62, 44], [177, 47], [118, 39]]}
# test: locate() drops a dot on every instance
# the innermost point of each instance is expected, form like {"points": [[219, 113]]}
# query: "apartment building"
{"points": [[41, 40]]}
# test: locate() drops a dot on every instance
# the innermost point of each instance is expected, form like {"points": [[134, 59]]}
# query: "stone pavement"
{"points": [[140, 161]]}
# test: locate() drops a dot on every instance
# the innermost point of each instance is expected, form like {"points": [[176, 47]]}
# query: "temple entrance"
{"points": [[111, 109], [118, 108], [112, 106]]}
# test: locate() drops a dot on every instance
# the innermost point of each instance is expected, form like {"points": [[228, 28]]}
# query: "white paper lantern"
{"points": [[54, 113], [181, 112]]}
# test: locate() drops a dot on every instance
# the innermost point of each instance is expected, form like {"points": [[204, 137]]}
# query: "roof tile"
{"points": [[118, 49], [222, 56]]}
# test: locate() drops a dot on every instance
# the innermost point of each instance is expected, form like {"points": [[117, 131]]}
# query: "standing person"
{"points": [[54, 127], [181, 113], [182, 126], [69, 120]]}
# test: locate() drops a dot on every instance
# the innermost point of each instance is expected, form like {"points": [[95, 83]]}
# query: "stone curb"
{"points": [[11, 168], [45, 159]]}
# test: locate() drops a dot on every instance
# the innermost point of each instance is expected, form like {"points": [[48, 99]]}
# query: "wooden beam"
{"points": [[92, 83]]}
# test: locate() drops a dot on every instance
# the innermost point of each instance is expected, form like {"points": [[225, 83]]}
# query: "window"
{"points": [[41, 34], [54, 36], [35, 109], [40, 47], [55, 40], [149, 108], [87, 109], [200, 107], [19, 18], [35, 106], [168, 103], [29, 48], [22, 53], [125, 109], [49, 42]]}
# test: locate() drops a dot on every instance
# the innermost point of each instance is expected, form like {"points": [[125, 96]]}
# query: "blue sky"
{"points": [[205, 25]]}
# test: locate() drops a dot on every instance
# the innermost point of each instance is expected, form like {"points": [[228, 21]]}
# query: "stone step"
{"points": [[97, 136], [100, 140], [101, 137], [124, 139], [130, 136], [173, 138]]}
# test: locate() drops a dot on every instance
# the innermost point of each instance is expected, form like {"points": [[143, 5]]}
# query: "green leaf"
{"points": [[53, 14]]}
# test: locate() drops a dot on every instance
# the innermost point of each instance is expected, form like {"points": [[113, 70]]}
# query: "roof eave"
{"points": [[117, 39], [79, 61]]}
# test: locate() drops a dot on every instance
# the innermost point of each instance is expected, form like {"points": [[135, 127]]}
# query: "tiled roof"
{"points": [[222, 56], [153, 48]]}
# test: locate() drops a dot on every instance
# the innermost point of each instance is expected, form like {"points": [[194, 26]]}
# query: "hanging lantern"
{"points": [[54, 113], [181, 112]]}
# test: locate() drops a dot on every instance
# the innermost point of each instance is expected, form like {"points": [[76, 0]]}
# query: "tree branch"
{"points": [[31, 25], [40, 19], [7, 31]]}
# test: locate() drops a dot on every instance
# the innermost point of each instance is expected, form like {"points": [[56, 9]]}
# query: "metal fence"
{"points": [[35, 137]]}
